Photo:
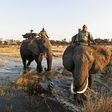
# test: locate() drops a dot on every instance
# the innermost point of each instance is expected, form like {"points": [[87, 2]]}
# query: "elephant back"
{"points": [[33, 46], [30, 45]]}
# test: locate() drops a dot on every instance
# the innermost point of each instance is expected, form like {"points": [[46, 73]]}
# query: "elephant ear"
{"points": [[102, 58], [33, 46], [68, 58]]}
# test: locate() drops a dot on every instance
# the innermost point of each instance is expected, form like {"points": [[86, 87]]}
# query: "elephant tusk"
{"points": [[79, 92], [72, 88]]}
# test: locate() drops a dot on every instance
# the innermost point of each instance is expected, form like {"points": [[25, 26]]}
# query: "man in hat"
{"points": [[84, 36], [43, 33]]}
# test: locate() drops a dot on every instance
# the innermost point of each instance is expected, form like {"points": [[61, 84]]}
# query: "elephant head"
{"points": [[43, 35], [38, 46], [82, 61]]}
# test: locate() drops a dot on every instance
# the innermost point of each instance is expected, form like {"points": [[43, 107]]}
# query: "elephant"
{"points": [[33, 49], [83, 61]]}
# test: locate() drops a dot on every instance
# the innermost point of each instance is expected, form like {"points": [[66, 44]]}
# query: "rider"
{"points": [[43, 33], [30, 35], [84, 36], [45, 38], [75, 37]]}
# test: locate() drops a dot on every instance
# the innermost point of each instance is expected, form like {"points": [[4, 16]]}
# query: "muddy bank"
{"points": [[13, 99]]}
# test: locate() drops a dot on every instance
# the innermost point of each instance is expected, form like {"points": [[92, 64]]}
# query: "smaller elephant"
{"points": [[34, 49]]}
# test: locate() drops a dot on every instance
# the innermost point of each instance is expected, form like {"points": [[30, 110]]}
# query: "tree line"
{"points": [[53, 42], [18, 42], [103, 41]]}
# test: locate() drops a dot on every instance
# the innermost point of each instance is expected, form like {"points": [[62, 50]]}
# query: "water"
{"points": [[60, 100], [13, 100]]}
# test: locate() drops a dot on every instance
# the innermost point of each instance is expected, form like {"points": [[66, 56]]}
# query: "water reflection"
{"points": [[14, 100]]}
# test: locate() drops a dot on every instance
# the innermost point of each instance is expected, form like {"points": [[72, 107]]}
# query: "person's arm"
{"points": [[91, 38], [73, 39]]}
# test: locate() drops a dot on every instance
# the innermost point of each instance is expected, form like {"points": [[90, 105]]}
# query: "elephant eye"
{"points": [[43, 41], [103, 52]]}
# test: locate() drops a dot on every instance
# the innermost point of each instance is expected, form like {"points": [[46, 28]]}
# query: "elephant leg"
{"points": [[49, 61], [39, 65], [29, 62], [91, 79], [24, 64]]}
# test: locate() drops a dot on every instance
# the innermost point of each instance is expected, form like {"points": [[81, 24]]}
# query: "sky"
{"points": [[60, 18]]}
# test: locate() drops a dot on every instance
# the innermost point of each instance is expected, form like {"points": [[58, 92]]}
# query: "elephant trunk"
{"points": [[80, 75]]}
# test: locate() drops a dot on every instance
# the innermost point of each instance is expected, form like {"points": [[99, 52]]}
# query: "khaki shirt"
{"points": [[84, 37], [43, 34]]}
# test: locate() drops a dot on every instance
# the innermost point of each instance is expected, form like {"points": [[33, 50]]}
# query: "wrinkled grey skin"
{"points": [[31, 49], [75, 62], [82, 62]]}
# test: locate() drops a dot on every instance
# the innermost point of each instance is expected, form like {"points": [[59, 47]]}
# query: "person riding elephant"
{"points": [[75, 37], [84, 36], [43, 33], [30, 35], [84, 61], [33, 49], [48, 45]]}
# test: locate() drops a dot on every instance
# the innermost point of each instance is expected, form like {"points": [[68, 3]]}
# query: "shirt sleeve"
{"points": [[74, 38], [91, 37]]}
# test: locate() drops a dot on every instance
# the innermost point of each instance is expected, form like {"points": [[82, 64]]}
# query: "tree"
{"points": [[0, 41]]}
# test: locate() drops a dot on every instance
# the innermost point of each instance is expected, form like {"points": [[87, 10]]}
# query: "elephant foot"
{"points": [[24, 72], [48, 70], [39, 70], [29, 68]]}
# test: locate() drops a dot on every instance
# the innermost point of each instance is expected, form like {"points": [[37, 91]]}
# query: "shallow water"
{"points": [[12, 69], [61, 99], [12, 100]]}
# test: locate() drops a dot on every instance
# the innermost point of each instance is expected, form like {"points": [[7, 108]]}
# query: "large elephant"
{"points": [[32, 49], [83, 61]]}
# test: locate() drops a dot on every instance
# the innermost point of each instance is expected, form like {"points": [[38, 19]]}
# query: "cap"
{"points": [[84, 26], [79, 29], [43, 29], [31, 30]]}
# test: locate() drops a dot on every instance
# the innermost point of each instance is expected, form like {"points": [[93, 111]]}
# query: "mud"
{"points": [[60, 99]]}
